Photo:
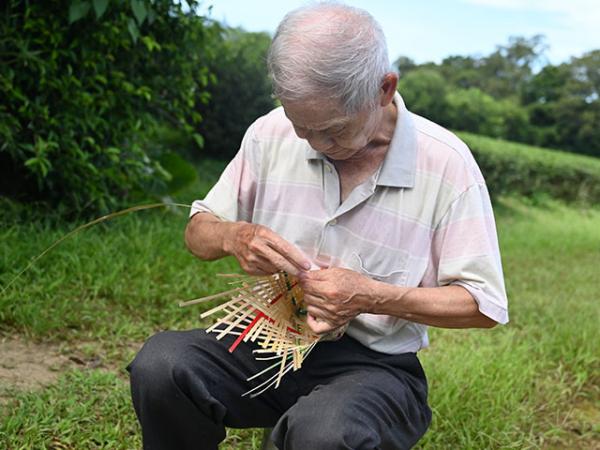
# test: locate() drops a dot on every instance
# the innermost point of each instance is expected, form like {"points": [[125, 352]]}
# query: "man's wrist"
{"points": [[386, 298], [229, 237]]}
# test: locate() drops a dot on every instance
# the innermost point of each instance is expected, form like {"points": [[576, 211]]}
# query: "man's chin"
{"points": [[339, 154]]}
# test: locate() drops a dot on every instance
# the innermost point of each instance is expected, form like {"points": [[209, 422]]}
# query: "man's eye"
{"points": [[336, 131]]}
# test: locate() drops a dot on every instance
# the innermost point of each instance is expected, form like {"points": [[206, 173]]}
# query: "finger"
{"points": [[258, 266], [289, 251], [317, 302], [318, 326], [255, 271], [279, 261], [323, 314]]}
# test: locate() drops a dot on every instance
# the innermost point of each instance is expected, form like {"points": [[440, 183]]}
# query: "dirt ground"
{"points": [[26, 365]]}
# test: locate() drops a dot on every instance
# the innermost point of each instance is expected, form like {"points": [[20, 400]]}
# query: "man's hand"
{"points": [[261, 251], [334, 297]]}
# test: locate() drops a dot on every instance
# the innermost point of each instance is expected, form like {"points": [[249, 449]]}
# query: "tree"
{"points": [[475, 111], [424, 91], [510, 67], [404, 65], [462, 71], [241, 91]]}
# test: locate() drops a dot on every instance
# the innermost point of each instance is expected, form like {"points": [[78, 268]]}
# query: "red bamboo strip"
{"points": [[259, 316]]}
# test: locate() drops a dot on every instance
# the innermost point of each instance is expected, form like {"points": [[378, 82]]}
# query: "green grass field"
{"points": [[530, 384]]}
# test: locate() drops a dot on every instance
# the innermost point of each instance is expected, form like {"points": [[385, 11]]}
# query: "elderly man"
{"points": [[392, 210]]}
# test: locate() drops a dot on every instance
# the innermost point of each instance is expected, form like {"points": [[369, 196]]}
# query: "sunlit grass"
{"points": [[514, 386]]}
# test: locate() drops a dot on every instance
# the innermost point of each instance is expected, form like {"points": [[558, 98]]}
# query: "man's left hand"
{"points": [[334, 297]]}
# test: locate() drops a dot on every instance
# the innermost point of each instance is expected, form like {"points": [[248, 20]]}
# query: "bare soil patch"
{"points": [[26, 365]]}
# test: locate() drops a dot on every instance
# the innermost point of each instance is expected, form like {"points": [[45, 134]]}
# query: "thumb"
{"points": [[318, 326]]}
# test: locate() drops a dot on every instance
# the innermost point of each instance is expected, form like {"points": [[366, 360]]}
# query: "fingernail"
{"points": [[306, 265]]}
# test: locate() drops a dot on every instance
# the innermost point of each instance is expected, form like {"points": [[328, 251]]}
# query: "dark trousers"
{"points": [[187, 388]]}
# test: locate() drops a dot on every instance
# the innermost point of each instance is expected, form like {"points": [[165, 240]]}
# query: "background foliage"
{"points": [[240, 94], [83, 83], [109, 102], [512, 168], [513, 93]]}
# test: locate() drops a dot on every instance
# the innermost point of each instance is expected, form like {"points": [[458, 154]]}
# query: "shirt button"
{"points": [[328, 168], [332, 222]]}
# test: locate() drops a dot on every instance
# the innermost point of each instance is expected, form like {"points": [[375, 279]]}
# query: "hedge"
{"points": [[511, 168]]}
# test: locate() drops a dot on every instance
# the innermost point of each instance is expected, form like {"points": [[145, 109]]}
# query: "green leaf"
{"points": [[78, 10], [100, 7], [39, 164], [151, 43], [31, 162], [199, 140], [133, 29], [139, 11]]}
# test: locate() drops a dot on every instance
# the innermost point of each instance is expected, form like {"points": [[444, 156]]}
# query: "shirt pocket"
{"points": [[391, 269]]}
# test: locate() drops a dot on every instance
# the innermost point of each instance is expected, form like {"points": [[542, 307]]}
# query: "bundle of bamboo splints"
{"points": [[268, 309]]}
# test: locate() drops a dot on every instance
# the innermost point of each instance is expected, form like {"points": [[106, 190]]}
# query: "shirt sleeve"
{"points": [[232, 197], [466, 252]]}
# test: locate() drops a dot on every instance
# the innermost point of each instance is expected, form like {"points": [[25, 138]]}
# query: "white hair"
{"points": [[329, 50]]}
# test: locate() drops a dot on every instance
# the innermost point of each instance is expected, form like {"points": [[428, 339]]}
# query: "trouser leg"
{"points": [[356, 399], [186, 387]]}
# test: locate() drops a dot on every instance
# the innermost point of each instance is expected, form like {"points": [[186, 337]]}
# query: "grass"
{"points": [[518, 386], [110, 282], [530, 384]]}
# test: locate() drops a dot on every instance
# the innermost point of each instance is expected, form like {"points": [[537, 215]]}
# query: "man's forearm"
{"points": [[206, 236], [446, 306], [337, 295], [258, 249]]}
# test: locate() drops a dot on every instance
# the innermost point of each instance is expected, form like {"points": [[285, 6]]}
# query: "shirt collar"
{"points": [[400, 163], [399, 166]]}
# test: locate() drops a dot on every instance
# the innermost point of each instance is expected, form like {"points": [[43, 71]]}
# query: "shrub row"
{"points": [[511, 168]]}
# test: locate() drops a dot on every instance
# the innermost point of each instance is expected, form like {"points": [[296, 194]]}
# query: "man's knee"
{"points": [[152, 365], [155, 368], [323, 428]]}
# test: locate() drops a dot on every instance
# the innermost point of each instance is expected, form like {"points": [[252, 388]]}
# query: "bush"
{"points": [[511, 168], [475, 111], [82, 84], [424, 92], [241, 93]]}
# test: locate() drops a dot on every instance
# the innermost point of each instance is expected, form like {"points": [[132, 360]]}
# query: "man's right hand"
{"points": [[261, 251]]}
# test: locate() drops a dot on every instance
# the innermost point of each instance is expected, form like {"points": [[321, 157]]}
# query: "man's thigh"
{"points": [[210, 377]]}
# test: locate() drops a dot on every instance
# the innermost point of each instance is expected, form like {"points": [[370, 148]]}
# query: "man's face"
{"points": [[329, 130]]}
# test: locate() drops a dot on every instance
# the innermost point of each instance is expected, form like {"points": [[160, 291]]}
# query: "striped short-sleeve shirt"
{"points": [[423, 219]]}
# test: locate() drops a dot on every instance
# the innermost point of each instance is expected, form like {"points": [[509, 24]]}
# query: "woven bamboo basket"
{"points": [[270, 311]]}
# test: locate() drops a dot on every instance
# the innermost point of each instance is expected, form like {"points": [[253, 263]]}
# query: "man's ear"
{"points": [[388, 88]]}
